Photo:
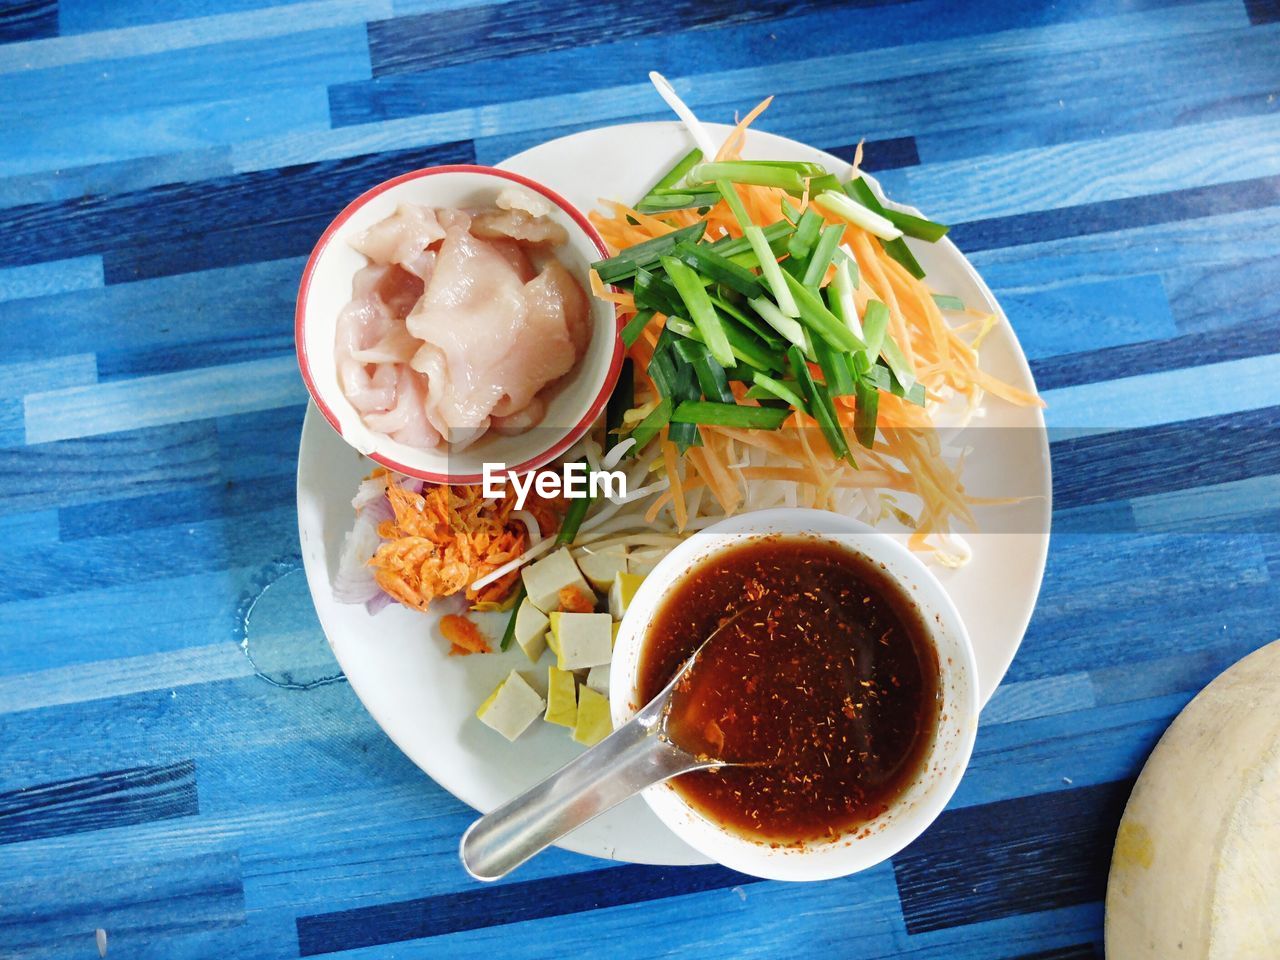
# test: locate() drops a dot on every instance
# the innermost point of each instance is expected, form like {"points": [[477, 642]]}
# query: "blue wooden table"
{"points": [[1114, 171]]}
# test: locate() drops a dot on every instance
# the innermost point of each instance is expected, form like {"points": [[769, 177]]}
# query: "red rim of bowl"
{"points": [[304, 291]]}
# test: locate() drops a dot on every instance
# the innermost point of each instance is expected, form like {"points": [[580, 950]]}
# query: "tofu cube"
{"points": [[545, 579], [531, 630], [511, 707], [601, 566], [562, 698], [581, 640], [622, 591], [594, 722], [598, 679]]}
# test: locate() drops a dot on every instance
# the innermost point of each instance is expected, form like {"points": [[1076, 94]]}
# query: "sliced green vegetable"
{"points": [[841, 300], [652, 425], [677, 172], [666, 202], [757, 174], [645, 254], [635, 326], [753, 324], [875, 321], [898, 363], [815, 315], [711, 375], [883, 378], [509, 632], [746, 346], [700, 309], [948, 302], [823, 252], [730, 415], [898, 249], [819, 405], [828, 181], [806, 235], [866, 412], [780, 389], [911, 225], [837, 368], [730, 194], [772, 273], [789, 328], [863, 216], [653, 291], [734, 247], [573, 518], [718, 269], [789, 211]]}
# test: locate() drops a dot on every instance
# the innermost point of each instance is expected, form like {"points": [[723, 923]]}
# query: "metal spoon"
{"points": [[636, 755]]}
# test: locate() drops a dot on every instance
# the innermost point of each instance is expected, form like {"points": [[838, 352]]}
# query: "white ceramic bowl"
{"points": [[943, 765], [326, 289]]}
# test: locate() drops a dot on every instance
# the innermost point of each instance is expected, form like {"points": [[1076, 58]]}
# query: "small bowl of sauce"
{"points": [[846, 693]]}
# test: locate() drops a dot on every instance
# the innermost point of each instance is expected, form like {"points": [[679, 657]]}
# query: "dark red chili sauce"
{"points": [[829, 680]]}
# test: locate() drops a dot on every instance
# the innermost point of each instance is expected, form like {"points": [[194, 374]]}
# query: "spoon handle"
{"points": [[624, 763]]}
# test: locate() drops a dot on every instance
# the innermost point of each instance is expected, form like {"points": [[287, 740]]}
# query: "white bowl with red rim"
{"points": [[326, 289], [943, 763]]}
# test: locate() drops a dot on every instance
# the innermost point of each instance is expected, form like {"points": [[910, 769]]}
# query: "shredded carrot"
{"points": [[464, 636]]}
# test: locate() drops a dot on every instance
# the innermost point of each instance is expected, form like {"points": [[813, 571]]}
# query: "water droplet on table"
{"points": [[282, 636]]}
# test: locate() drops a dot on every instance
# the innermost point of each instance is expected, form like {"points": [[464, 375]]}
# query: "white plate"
{"points": [[425, 700]]}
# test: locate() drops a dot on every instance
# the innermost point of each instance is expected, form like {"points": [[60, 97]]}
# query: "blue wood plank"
{"points": [[11, 422], [28, 20], [48, 143], [946, 880], [55, 276], [124, 176], [134, 327], [233, 70], [879, 155], [151, 222], [1101, 314], [85, 16], [76, 412], [153, 461], [98, 801]]}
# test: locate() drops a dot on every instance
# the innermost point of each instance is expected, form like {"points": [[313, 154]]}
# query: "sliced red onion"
{"points": [[354, 581], [378, 602]]}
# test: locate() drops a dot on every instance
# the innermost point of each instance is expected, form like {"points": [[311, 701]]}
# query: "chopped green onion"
{"points": [[711, 375], [665, 203], [898, 249], [772, 273], [701, 312], [746, 347], [948, 302], [730, 194], [652, 291], [839, 204], [509, 633], [898, 363], [819, 405], [840, 296], [777, 388], [733, 247], [836, 369], [788, 327], [821, 256], [635, 326], [867, 401], [909, 224], [875, 321], [815, 315], [762, 175], [828, 181], [573, 518], [677, 172], [730, 415], [805, 168], [652, 425], [644, 254], [760, 330], [718, 269], [884, 379], [806, 234], [789, 211]]}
